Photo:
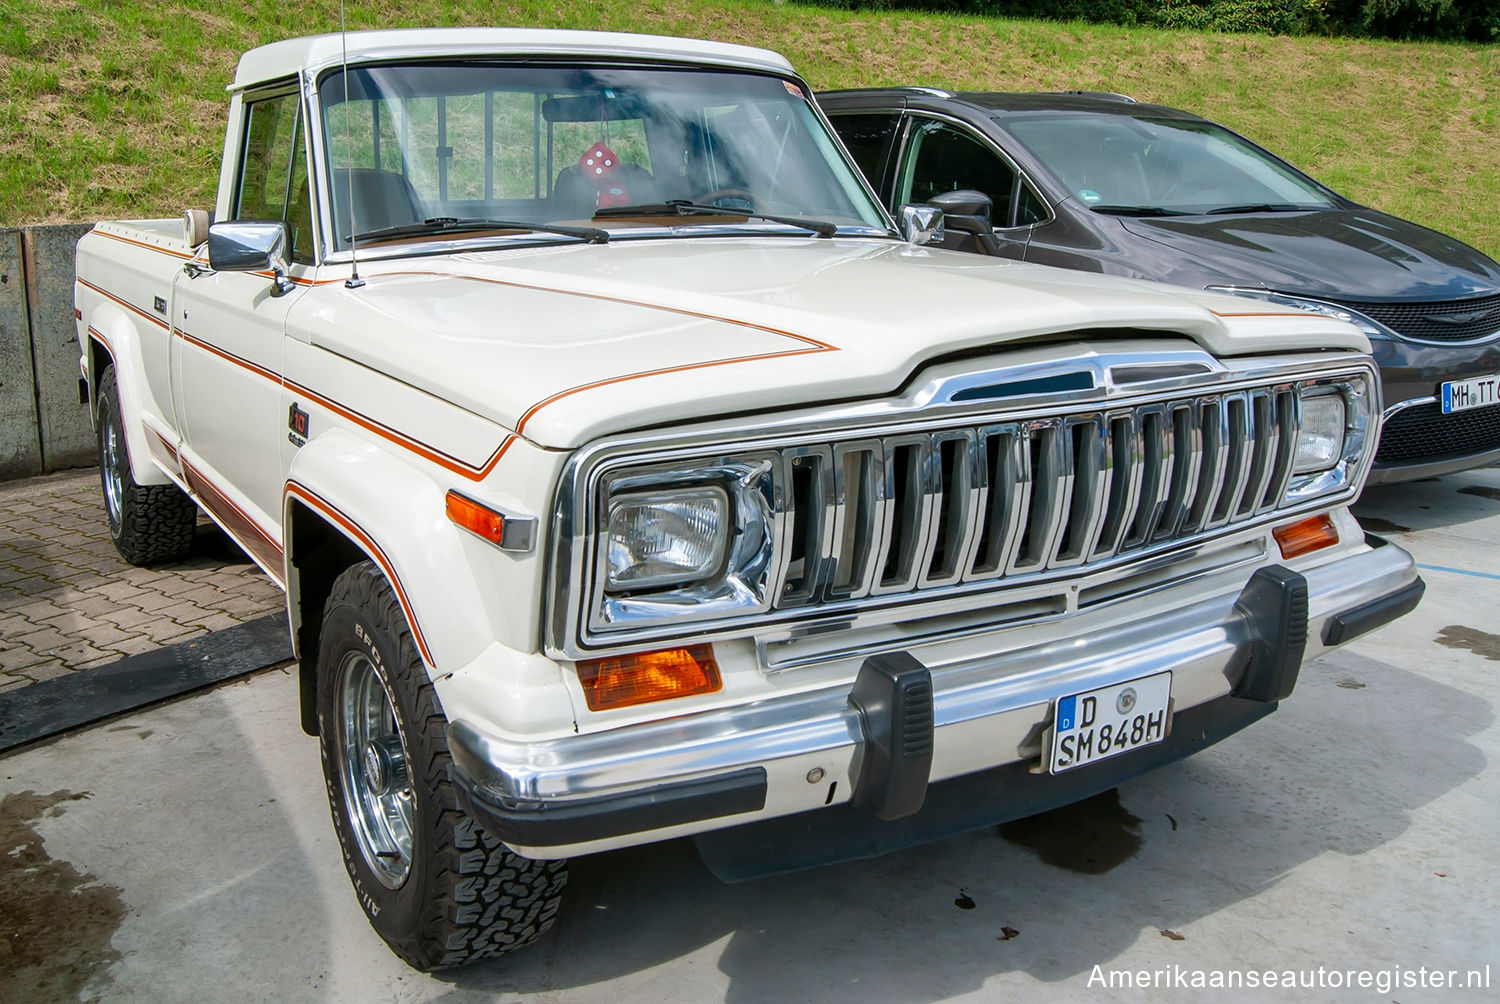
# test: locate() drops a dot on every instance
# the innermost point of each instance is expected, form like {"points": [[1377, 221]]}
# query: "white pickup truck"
{"points": [[632, 475]]}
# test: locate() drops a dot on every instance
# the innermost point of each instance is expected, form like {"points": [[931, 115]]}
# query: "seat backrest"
{"points": [[575, 195], [381, 199]]}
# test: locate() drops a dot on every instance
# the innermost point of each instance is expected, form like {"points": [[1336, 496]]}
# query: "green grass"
{"points": [[114, 108]]}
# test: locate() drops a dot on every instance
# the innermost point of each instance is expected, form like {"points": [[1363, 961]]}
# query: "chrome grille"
{"points": [[918, 511]]}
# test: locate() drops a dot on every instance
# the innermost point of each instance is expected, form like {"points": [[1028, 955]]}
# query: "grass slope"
{"points": [[114, 108]]}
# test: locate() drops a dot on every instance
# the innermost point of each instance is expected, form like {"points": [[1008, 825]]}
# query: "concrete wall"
{"points": [[42, 425]]}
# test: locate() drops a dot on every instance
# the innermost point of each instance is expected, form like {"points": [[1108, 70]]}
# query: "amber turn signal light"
{"points": [[497, 528], [621, 681], [1305, 535]]}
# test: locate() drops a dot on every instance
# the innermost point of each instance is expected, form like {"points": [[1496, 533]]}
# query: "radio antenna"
{"points": [[354, 281]]}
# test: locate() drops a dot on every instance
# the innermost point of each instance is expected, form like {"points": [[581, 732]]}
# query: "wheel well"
{"points": [[316, 553], [99, 361]]}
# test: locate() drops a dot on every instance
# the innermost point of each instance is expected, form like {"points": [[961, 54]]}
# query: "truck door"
{"points": [[228, 330]]}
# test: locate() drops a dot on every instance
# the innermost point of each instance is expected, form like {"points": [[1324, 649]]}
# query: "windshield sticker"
{"points": [[1089, 195], [793, 90]]}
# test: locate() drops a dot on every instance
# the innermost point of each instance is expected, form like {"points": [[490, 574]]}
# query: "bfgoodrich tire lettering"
{"points": [[436, 887], [148, 523]]}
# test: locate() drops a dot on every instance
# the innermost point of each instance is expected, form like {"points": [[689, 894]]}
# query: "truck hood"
{"points": [[1342, 254], [565, 344]]}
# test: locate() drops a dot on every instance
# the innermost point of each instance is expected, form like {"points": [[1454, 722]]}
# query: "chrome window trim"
{"points": [[926, 409]]}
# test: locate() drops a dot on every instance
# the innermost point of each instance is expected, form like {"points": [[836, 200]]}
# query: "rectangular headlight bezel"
{"points": [[740, 581]]}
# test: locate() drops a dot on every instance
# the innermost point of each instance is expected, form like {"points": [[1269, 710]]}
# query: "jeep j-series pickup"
{"points": [[632, 475]]}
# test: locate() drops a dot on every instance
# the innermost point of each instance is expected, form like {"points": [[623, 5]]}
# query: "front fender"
{"points": [[394, 513]]}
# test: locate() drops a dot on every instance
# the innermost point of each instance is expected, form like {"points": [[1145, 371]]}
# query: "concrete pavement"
{"points": [[185, 853]]}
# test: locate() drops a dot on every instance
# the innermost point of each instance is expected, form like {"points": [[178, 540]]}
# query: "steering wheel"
{"points": [[720, 194]]}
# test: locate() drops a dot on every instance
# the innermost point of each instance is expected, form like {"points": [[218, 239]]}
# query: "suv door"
{"points": [[227, 338], [940, 156]]}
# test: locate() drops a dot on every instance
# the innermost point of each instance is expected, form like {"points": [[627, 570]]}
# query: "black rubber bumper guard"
{"points": [[893, 804]]}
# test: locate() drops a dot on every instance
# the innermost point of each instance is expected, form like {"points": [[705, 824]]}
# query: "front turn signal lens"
{"points": [[625, 680], [510, 533], [1305, 535]]}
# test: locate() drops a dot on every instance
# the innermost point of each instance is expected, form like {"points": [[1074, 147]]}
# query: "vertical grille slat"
{"points": [[1214, 429], [954, 468], [810, 517], [1237, 464], [1287, 406], [1263, 439], [1125, 485], [910, 508], [1049, 454], [1092, 473], [1006, 487], [1187, 454], [858, 508], [1156, 441]]}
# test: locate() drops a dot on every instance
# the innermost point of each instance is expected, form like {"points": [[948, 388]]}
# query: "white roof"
{"points": [[316, 52]]}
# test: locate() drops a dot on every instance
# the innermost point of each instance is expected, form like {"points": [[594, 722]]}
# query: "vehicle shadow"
{"points": [[1430, 504], [939, 920]]}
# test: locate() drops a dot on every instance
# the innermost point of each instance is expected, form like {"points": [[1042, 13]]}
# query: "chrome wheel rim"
{"points": [[109, 467], [377, 783]]}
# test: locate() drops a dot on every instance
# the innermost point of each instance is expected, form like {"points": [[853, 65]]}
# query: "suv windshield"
{"points": [[433, 148], [1162, 167]]}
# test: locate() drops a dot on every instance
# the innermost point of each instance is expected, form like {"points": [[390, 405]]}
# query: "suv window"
{"points": [[273, 171], [868, 137]]}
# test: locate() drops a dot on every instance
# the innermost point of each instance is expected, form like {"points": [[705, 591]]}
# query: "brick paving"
{"points": [[69, 602]]}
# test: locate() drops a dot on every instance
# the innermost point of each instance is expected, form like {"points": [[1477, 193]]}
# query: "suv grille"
{"points": [[1423, 432], [1418, 320], [927, 509]]}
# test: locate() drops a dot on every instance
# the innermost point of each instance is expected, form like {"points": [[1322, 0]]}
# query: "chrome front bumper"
{"points": [[804, 754]]}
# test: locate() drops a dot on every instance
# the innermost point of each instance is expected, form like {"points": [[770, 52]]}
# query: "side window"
{"points": [[273, 171], [1030, 207], [944, 159], [868, 138]]}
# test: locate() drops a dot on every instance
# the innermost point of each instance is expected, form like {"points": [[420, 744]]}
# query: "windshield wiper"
{"points": [[1138, 211], [445, 224], [1260, 207], [682, 207]]}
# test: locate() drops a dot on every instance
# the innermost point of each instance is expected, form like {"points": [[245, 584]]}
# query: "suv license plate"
{"points": [[1098, 724], [1475, 392]]}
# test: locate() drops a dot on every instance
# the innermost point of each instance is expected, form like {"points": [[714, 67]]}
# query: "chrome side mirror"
{"points": [[922, 224], [251, 246]]}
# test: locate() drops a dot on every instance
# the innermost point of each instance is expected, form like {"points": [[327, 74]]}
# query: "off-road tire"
{"points": [[148, 523], [465, 896]]}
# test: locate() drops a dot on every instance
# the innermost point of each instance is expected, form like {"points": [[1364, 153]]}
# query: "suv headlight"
{"points": [[1320, 443], [1369, 326], [666, 538]]}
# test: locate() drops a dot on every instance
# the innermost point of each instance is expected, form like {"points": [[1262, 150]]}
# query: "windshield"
{"points": [[436, 147], [1162, 166]]}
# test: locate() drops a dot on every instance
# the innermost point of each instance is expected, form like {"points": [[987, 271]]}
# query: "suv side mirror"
{"points": [[966, 210], [922, 224], [251, 246]]}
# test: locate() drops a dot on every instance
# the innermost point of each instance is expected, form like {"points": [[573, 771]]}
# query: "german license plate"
{"points": [[1099, 724], [1475, 392]]}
